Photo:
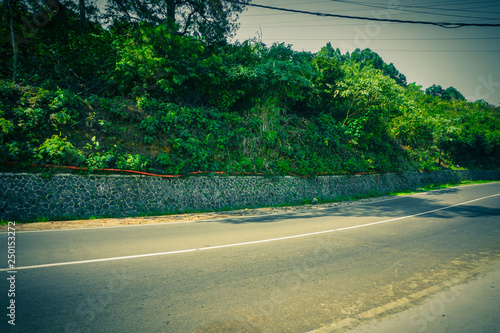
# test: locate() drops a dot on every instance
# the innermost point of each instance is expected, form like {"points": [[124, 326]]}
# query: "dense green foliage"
{"points": [[144, 97]]}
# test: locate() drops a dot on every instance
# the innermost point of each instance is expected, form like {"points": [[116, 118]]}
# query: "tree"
{"points": [[369, 99], [9, 17], [155, 61], [329, 52], [210, 19], [434, 90], [447, 94], [369, 58], [83, 18], [329, 74], [453, 94]]}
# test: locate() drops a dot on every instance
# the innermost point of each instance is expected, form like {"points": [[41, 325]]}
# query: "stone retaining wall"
{"points": [[29, 196]]}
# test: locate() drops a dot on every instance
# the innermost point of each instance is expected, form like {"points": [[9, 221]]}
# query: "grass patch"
{"points": [[432, 187]]}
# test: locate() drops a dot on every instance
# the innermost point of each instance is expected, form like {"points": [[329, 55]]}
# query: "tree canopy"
{"points": [[214, 20], [449, 93]]}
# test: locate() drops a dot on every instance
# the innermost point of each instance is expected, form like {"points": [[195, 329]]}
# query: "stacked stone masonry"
{"points": [[29, 196]]}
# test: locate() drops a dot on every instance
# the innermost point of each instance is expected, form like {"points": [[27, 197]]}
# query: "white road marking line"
{"points": [[250, 242]]}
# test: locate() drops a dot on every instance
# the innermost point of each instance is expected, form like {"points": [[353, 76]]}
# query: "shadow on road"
{"points": [[398, 207]]}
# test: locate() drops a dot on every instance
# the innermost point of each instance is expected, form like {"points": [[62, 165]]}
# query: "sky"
{"points": [[467, 58]]}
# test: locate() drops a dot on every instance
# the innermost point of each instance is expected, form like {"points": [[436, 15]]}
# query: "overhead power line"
{"points": [[448, 25], [365, 4], [403, 39]]}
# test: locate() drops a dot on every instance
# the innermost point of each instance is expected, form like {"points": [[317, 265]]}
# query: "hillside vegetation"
{"points": [[142, 97]]}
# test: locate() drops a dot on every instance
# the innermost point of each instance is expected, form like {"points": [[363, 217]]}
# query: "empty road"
{"points": [[324, 270]]}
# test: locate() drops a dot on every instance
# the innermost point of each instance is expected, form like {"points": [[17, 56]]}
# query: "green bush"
{"points": [[59, 150], [133, 162]]}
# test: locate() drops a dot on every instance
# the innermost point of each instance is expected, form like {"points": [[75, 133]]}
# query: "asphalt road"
{"points": [[293, 272]]}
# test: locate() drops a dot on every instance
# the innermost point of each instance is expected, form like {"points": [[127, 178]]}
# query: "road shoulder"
{"points": [[467, 306], [180, 218]]}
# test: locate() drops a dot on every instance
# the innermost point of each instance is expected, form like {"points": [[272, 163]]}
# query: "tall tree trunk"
{"points": [[13, 37], [83, 19], [171, 14]]}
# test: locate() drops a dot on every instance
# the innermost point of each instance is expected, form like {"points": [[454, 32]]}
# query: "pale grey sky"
{"points": [[467, 58]]}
